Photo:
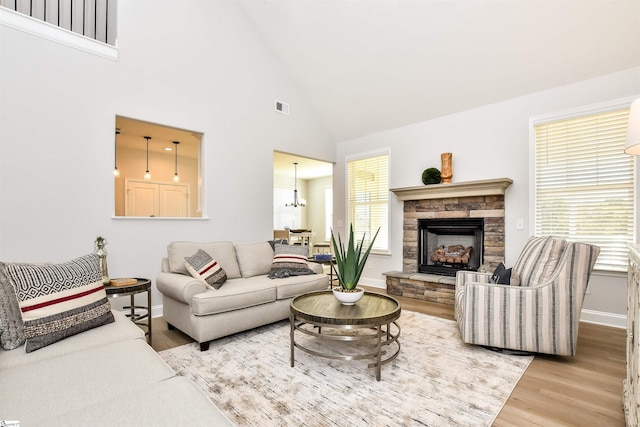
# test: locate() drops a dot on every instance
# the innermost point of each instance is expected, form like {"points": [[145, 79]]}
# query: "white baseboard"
{"points": [[374, 283], [602, 318], [156, 311]]}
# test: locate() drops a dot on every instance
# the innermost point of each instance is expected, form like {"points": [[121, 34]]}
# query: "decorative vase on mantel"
{"points": [[101, 251], [447, 172]]}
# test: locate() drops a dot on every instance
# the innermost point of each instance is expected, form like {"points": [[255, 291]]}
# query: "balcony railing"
{"points": [[91, 18]]}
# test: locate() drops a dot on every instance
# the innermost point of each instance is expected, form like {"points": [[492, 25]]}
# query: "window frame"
{"points": [[575, 113]]}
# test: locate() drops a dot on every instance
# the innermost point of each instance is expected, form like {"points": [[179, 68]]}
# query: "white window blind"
{"points": [[368, 200], [585, 184]]}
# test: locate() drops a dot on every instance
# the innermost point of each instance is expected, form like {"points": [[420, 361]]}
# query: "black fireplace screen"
{"points": [[448, 245]]}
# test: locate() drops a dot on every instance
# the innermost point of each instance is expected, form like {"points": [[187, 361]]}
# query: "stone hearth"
{"points": [[476, 199]]}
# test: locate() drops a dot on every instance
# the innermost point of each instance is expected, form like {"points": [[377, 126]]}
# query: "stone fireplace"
{"points": [[481, 201]]}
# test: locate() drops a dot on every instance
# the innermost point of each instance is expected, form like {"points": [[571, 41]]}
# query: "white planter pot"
{"points": [[348, 298]]}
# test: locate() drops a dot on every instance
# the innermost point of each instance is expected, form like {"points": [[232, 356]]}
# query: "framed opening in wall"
{"points": [[313, 181], [157, 170]]}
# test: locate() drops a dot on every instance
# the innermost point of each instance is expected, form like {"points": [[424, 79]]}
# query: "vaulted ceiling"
{"points": [[366, 66]]}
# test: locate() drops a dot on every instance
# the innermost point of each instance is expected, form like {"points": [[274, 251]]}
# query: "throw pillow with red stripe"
{"points": [[201, 266], [59, 300], [289, 260]]}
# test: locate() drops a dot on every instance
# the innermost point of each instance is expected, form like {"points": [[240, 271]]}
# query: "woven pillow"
{"points": [[223, 252], [290, 260], [59, 300], [11, 327], [206, 269]]}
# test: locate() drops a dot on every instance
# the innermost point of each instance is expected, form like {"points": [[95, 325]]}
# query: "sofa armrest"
{"points": [[315, 267], [179, 287]]}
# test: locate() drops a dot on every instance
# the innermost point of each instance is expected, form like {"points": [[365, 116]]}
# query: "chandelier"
{"points": [[296, 202]]}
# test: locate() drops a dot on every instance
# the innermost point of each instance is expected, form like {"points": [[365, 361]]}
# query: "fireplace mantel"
{"points": [[488, 187]]}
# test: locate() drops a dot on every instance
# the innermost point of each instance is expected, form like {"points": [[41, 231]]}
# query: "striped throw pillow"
{"points": [[289, 260], [59, 300], [206, 269]]}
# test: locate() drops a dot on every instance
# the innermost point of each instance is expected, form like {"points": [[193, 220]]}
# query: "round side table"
{"points": [[139, 314]]}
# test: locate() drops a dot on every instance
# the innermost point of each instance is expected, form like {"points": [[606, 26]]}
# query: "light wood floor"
{"points": [[585, 390]]}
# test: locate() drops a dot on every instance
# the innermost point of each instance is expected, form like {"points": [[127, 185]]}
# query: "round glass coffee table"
{"points": [[369, 321]]}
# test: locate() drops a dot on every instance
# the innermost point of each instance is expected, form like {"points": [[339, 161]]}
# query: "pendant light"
{"points": [[147, 175], [116, 172], [176, 178], [295, 203]]}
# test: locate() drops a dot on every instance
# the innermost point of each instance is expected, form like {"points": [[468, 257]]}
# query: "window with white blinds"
{"points": [[584, 184], [368, 200]]}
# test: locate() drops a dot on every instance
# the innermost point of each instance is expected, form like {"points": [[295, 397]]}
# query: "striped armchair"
{"points": [[540, 315]]}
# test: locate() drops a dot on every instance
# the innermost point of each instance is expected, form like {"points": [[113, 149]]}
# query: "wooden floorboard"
{"points": [[585, 390]]}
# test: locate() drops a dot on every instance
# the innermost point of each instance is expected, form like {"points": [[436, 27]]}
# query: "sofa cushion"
{"points": [[514, 280], [175, 401], [234, 295], [538, 260], [254, 259], [206, 269], [223, 252], [290, 287], [122, 329], [42, 390], [290, 260], [11, 327], [59, 300]]}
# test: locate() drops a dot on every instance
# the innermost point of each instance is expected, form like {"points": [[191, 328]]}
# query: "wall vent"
{"points": [[282, 107]]}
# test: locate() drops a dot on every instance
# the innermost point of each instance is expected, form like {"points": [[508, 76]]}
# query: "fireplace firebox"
{"points": [[448, 245]]}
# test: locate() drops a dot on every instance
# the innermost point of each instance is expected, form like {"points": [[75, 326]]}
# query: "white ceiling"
{"points": [[366, 66], [307, 168]]}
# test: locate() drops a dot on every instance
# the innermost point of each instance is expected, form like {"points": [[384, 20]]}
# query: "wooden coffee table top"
{"points": [[323, 307]]}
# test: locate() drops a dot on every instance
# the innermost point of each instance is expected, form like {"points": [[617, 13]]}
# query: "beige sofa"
{"points": [[105, 376], [68, 359], [246, 300]]}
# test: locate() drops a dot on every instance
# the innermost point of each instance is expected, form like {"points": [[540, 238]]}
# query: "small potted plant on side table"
{"points": [[349, 266]]}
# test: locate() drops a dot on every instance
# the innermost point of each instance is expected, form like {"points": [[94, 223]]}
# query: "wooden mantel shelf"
{"points": [[488, 187]]}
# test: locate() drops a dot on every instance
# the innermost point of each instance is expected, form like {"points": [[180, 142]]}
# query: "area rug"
{"points": [[436, 380]]}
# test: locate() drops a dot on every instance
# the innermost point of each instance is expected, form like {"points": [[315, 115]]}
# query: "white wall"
{"points": [[487, 142], [317, 206], [191, 65]]}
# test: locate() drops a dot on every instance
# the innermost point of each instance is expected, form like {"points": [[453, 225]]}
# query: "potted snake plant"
{"points": [[350, 263]]}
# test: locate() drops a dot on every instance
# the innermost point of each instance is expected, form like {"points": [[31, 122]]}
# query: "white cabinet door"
{"points": [[156, 199], [174, 200], [142, 199]]}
